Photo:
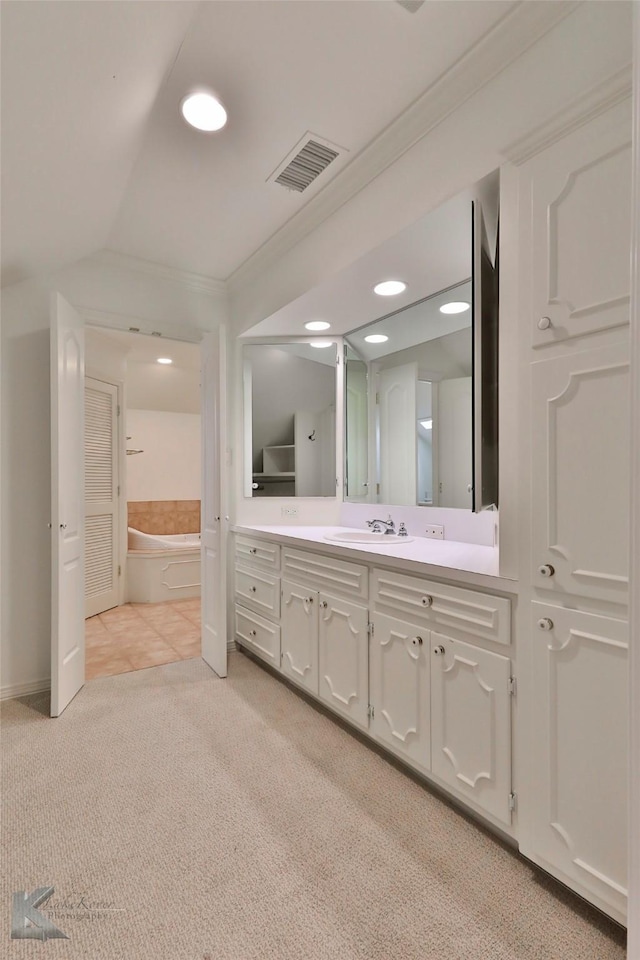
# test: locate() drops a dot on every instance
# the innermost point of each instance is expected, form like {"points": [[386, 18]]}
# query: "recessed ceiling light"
{"points": [[456, 306], [377, 338], [203, 112], [389, 288], [319, 344], [317, 325], [164, 360]]}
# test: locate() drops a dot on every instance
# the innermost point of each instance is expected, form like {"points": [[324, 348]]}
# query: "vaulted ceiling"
{"points": [[96, 156]]}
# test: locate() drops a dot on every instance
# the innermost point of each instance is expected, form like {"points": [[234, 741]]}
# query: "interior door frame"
{"points": [[188, 334]]}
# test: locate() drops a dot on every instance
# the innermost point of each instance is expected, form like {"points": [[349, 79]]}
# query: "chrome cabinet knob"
{"points": [[544, 323], [63, 526], [252, 589], [252, 633], [308, 599], [546, 570], [545, 623], [426, 601], [253, 549], [324, 604], [439, 651], [416, 641]]}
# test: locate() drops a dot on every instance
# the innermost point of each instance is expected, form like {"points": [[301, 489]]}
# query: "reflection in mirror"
{"points": [[289, 419], [420, 405], [356, 426]]}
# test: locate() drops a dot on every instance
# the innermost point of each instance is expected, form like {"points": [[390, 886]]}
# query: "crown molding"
{"points": [[519, 30], [193, 281], [132, 324], [589, 105]]}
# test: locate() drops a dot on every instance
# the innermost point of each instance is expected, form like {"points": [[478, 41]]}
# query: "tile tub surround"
{"points": [[139, 635], [164, 516]]}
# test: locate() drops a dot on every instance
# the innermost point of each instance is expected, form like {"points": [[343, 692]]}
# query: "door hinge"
{"points": [[370, 629], [513, 801], [119, 570], [371, 712], [377, 398], [512, 686], [117, 410]]}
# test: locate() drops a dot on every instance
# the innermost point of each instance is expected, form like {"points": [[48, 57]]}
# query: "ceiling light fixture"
{"points": [[389, 288], [164, 360], [456, 306], [320, 344], [377, 338], [317, 325], [203, 112]]}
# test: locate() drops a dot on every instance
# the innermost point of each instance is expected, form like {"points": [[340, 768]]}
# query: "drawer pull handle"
{"points": [[252, 589], [546, 570], [252, 633], [253, 549], [416, 641], [545, 623], [427, 601], [439, 651]]}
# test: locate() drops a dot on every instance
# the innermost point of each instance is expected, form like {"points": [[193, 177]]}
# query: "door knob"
{"points": [[546, 570], [439, 651], [426, 601], [545, 623], [416, 641]]}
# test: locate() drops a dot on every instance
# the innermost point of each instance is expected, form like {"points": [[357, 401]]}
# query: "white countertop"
{"points": [[449, 559]]}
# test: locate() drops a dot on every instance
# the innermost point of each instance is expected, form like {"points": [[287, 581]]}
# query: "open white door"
{"points": [[67, 503], [213, 520]]}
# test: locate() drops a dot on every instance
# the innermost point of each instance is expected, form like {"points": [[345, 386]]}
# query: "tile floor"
{"points": [[138, 635]]}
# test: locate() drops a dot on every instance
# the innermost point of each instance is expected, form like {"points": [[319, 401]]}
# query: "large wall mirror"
{"points": [[289, 419]]}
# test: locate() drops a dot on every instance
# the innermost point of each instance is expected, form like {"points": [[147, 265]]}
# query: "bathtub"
{"points": [[162, 567]]}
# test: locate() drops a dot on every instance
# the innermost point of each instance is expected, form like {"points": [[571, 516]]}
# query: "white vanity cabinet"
{"points": [[257, 596], [299, 633], [575, 206], [343, 657]]}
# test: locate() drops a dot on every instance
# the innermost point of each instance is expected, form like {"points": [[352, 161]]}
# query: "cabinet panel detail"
{"points": [[257, 553], [259, 591], [442, 607], [581, 206], [299, 637], [471, 722], [328, 573], [259, 635], [580, 491], [399, 673], [343, 648], [580, 747]]}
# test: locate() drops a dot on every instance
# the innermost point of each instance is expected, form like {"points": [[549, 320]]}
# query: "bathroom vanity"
{"points": [[416, 661]]}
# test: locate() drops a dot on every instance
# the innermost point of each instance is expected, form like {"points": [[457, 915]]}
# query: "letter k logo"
{"points": [[27, 923]]}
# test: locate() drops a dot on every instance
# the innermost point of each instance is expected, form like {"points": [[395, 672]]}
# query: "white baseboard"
{"points": [[14, 690]]}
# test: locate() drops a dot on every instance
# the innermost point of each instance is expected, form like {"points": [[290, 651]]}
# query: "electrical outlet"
{"points": [[289, 512], [435, 531]]}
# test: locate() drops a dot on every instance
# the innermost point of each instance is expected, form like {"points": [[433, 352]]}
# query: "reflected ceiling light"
{"points": [[319, 344], [317, 325], [389, 288], [427, 424], [456, 306], [377, 338], [164, 360], [203, 112]]}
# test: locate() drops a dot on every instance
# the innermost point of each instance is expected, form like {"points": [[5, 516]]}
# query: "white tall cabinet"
{"points": [[574, 207]]}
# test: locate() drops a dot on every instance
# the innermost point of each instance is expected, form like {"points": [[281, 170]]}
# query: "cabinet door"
{"points": [[399, 674], [579, 191], [471, 723], [343, 651], [299, 635], [579, 751], [580, 476]]}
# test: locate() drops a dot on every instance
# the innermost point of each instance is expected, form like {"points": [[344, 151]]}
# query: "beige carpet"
{"points": [[230, 819]]}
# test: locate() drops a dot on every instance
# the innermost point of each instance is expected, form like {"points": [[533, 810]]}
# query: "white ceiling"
{"points": [[95, 155]]}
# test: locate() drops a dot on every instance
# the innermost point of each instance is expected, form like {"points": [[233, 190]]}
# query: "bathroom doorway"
{"points": [[142, 506]]}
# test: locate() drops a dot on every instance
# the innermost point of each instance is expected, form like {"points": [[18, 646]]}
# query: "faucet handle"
{"points": [[402, 531]]}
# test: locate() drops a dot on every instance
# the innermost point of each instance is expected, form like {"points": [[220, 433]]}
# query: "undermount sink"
{"points": [[366, 536]]}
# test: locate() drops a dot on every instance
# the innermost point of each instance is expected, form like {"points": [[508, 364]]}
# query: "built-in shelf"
{"points": [[279, 460], [275, 477]]}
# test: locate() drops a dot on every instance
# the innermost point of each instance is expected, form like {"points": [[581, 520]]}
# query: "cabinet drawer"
{"points": [[257, 553], [260, 636], [439, 606], [326, 573], [258, 590]]}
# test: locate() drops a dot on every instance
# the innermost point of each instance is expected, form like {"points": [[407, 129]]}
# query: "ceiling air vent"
{"points": [[306, 161]]}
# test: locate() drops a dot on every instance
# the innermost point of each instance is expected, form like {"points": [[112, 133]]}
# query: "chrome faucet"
{"points": [[375, 525]]}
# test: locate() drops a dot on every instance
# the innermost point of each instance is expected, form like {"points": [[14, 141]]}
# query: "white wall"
{"points": [[169, 468], [109, 292]]}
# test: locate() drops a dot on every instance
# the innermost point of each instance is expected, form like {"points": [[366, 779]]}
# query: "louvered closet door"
{"points": [[101, 496]]}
